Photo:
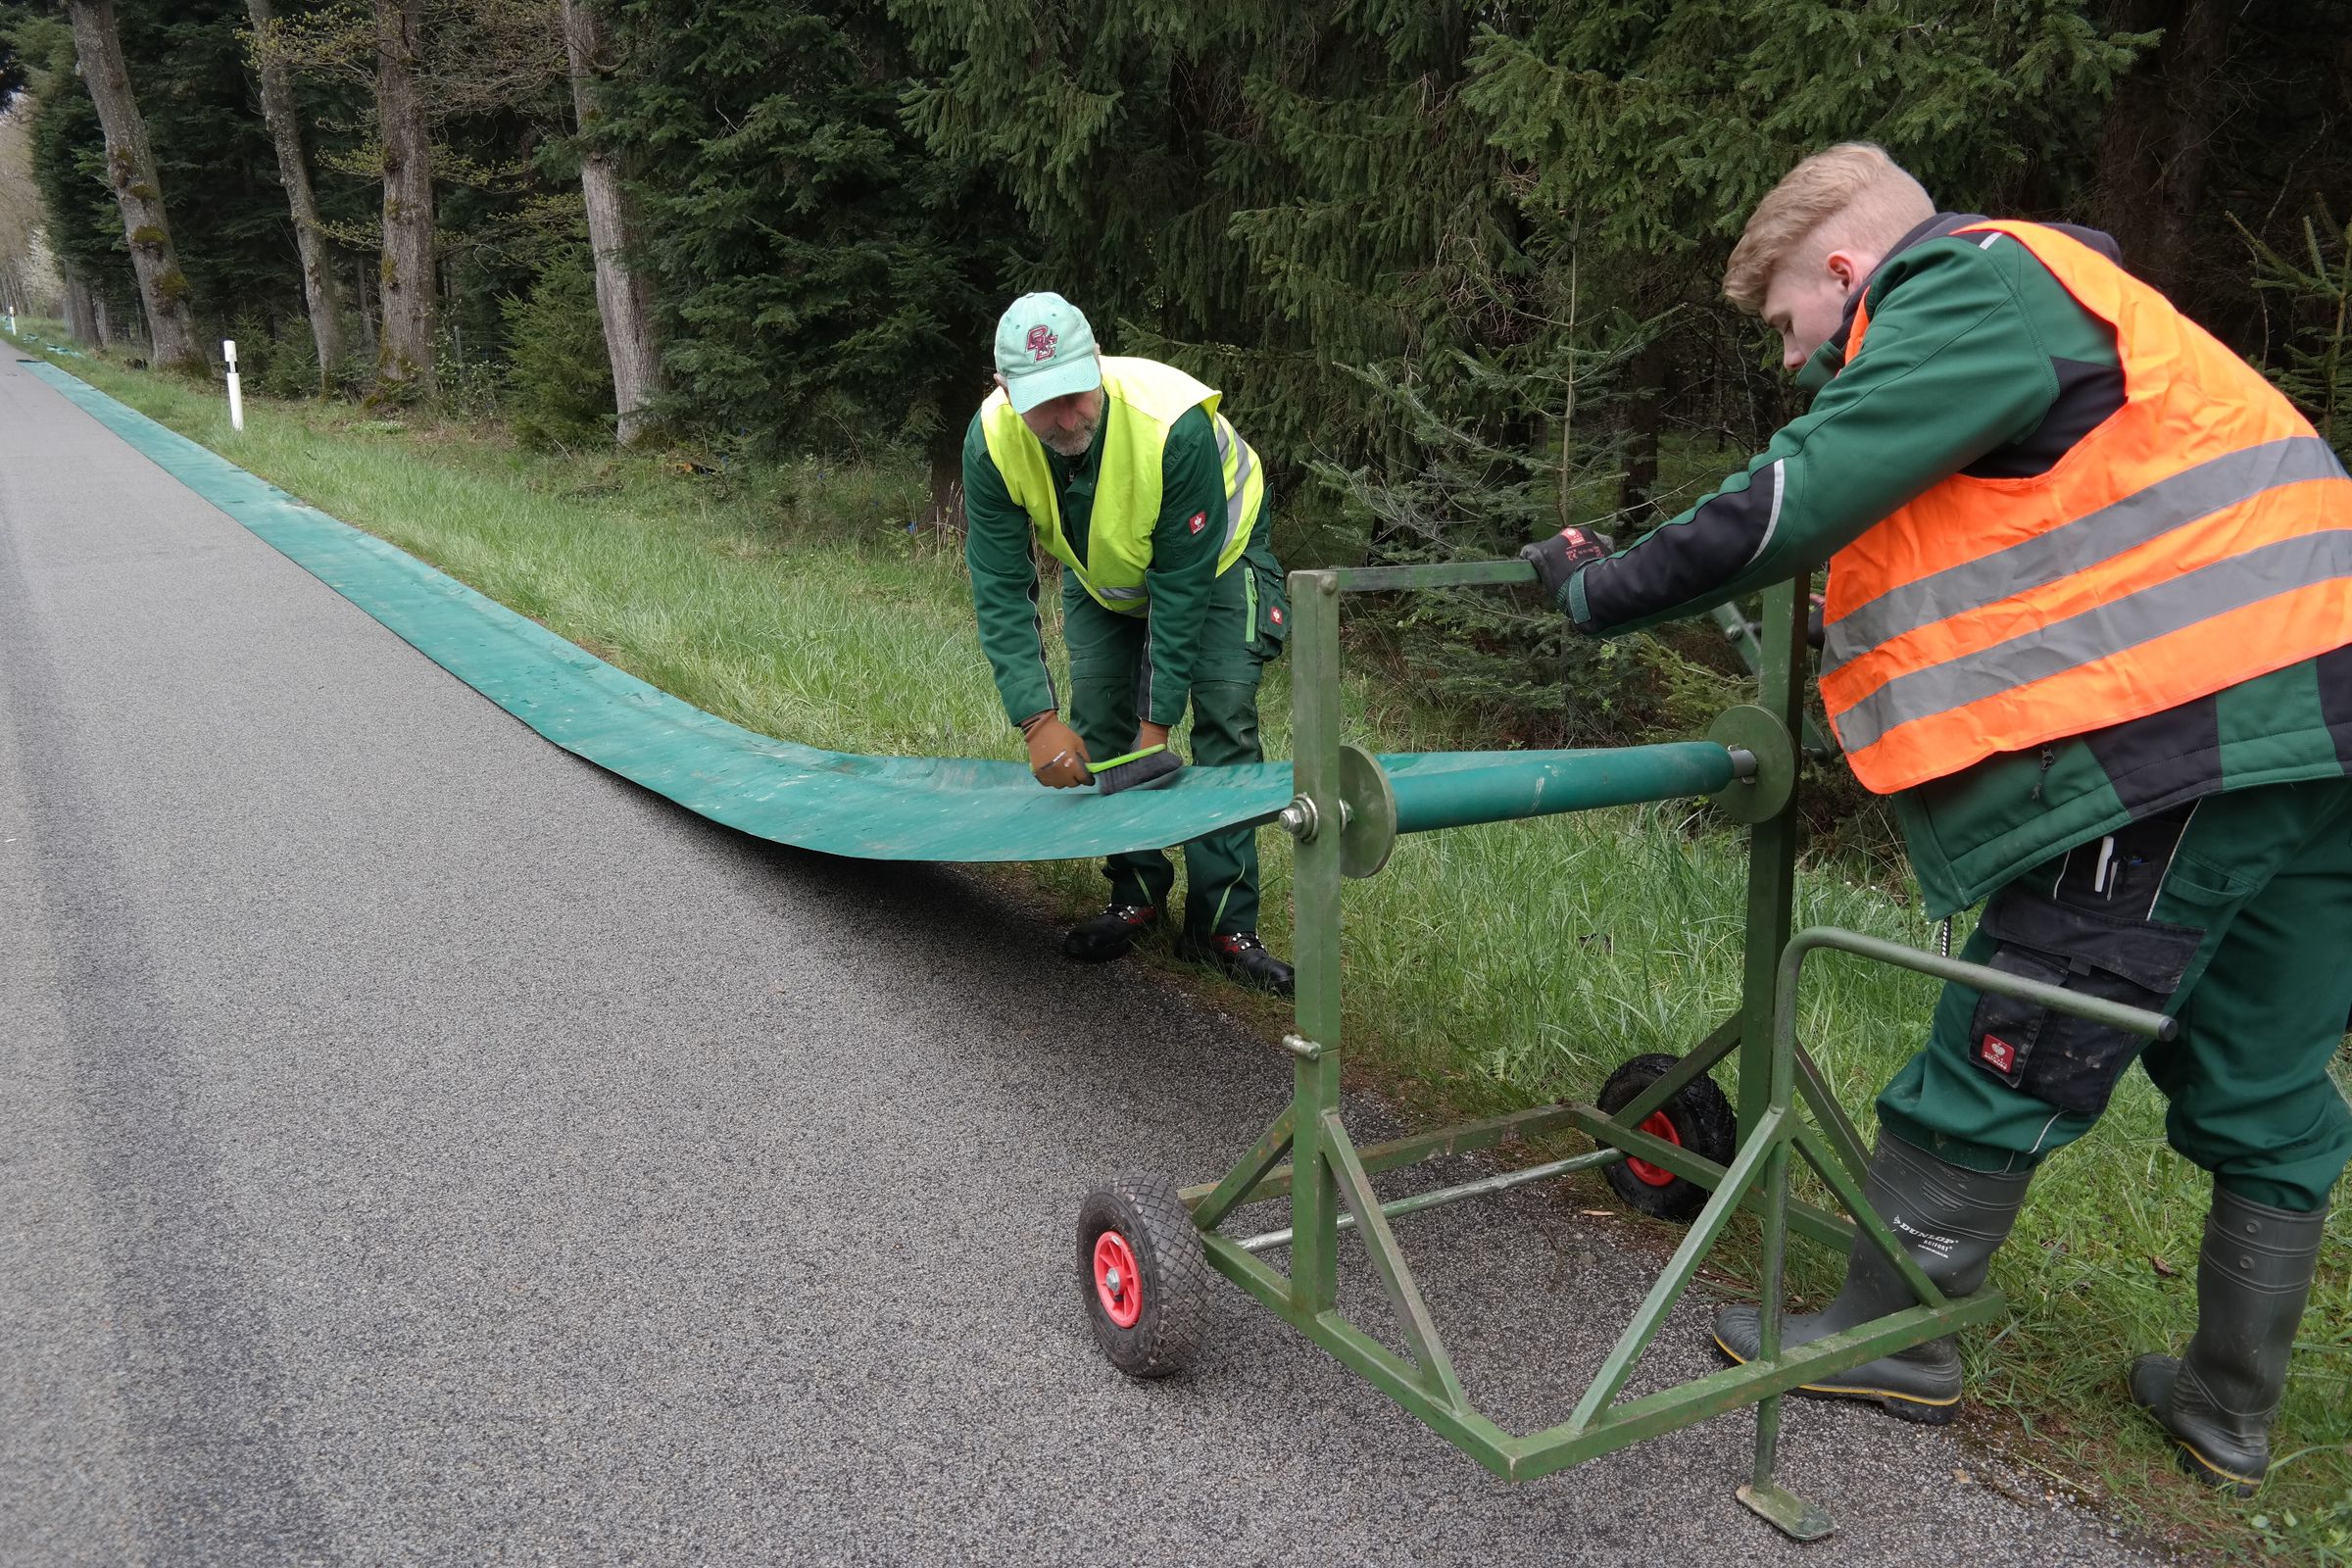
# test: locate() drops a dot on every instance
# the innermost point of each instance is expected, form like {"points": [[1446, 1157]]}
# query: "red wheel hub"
{"points": [[1658, 1125], [1118, 1284]]}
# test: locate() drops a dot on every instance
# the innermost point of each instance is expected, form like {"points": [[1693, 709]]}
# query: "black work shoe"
{"points": [[1111, 934], [1241, 955]]}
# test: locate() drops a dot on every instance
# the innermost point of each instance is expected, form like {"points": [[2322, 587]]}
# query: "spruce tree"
{"points": [[1267, 196], [321, 280], [132, 175], [231, 233], [823, 286]]}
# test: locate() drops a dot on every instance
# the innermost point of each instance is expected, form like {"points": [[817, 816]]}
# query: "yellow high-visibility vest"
{"points": [[1142, 399]]}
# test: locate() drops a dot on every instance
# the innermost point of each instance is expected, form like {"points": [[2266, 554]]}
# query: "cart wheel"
{"points": [[1698, 1119], [1143, 1275]]}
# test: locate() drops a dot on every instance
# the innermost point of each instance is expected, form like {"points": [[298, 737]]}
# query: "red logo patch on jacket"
{"points": [[1998, 1053], [1196, 521], [1276, 614]]}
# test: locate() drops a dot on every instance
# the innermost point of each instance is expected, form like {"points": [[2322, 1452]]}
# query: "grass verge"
{"points": [[1487, 967]]}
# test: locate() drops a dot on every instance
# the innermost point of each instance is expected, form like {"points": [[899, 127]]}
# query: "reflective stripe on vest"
{"points": [[2199, 537], [1142, 400]]}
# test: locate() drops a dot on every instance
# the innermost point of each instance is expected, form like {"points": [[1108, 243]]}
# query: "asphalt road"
{"points": [[419, 1147]]}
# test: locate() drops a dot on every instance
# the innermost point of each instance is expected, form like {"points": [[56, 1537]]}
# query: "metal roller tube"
{"points": [[1504, 787]]}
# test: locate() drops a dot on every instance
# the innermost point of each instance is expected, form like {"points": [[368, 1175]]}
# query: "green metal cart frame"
{"points": [[1345, 817]]}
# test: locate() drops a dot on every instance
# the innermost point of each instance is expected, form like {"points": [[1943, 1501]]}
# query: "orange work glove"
{"points": [[1057, 755]]}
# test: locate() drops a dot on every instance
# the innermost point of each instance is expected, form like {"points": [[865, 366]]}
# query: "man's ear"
{"points": [[1850, 268], [1001, 386]]}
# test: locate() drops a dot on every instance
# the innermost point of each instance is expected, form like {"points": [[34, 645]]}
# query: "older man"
{"points": [[1124, 472]]}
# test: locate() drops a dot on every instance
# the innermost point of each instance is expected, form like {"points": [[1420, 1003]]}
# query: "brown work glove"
{"points": [[1057, 755]]}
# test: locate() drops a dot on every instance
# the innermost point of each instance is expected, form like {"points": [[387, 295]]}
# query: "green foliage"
{"points": [[2321, 1537], [1626, 112], [68, 165], [2312, 297], [824, 286], [559, 379], [1508, 662], [213, 156], [1452, 259], [1267, 196], [281, 366]]}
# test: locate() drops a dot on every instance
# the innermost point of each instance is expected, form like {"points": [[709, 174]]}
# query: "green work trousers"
{"points": [[1245, 625], [2234, 914]]}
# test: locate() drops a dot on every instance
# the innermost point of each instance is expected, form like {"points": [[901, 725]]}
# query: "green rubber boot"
{"points": [[2217, 1399], [1952, 1220]]}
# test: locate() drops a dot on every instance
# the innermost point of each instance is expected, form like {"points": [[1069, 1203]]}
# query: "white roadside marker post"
{"points": [[237, 398]]}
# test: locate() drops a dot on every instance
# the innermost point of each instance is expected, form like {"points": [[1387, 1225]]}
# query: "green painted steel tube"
{"points": [[1447, 575], [2097, 1009], [1504, 787]]}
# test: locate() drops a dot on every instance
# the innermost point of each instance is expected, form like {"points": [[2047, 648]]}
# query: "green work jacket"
{"points": [[1977, 362], [1180, 570]]}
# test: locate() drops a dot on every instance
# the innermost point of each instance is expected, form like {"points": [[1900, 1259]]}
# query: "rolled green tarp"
{"points": [[1440, 790], [873, 808]]}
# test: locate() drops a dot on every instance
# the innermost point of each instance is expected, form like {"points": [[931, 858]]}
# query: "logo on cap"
{"points": [[1998, 1053], [1041, 343]]}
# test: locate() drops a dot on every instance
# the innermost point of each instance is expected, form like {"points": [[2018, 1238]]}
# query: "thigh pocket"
{"points": [[1248, 621], [1269, 607], [2070, 1063]]}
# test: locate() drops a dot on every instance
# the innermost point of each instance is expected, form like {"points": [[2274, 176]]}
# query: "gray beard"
{"points": [[1073, 447]]}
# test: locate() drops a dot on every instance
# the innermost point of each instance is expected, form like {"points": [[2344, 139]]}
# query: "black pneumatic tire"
{"points": [[1138, 1220], [1699, 1118]]}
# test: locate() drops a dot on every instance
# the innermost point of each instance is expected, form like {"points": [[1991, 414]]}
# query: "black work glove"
{"points": [[1559, 557]]}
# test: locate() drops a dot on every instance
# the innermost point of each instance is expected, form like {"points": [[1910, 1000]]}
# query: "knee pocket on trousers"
{"points": [[2070, 1063]]}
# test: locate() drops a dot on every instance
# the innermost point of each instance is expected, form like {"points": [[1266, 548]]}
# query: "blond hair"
{"points": [[1850, 195]]}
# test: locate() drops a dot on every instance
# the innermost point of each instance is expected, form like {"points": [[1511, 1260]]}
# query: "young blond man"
{"points": [[2089, 623]]}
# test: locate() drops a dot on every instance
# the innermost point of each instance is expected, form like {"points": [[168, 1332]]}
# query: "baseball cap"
{"points": [[1044, 350]]}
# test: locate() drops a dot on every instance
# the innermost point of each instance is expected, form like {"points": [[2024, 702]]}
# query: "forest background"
{"points": [[1454, 266]]}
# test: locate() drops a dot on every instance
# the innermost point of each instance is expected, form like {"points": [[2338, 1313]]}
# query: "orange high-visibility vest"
{"points": [[2198, 537]]}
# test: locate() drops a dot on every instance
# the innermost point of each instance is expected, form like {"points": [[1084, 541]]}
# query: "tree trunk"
{"points": [[404, 361], [82, 312], [321, 290], [1644, 419], [623, 294], [946, 480], [367, 309], [138, 190], [2154, 142]]}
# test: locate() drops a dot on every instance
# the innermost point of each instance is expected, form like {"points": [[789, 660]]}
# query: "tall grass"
{"points": [[1486, 967]]}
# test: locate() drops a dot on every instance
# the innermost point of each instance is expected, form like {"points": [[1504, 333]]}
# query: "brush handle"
{"points": [[1132, 757]]}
